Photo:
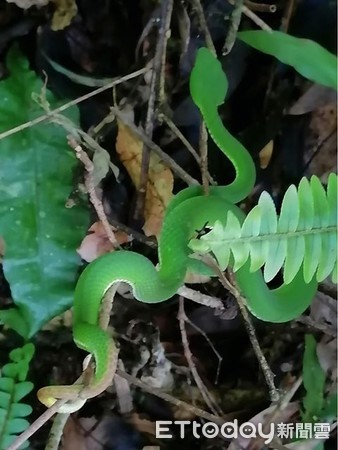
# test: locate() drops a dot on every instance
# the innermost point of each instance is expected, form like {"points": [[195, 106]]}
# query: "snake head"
{"points": [[208, 83]]}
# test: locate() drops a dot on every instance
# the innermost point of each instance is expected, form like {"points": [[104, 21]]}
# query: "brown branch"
{"points": [[202, 333], [97, 203], [197, 6], [156, 98], [174, 401], [209, 400], [231, 287], [50, 114]]}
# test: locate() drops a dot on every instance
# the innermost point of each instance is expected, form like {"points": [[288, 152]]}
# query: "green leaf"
{"points": [[305, 233], [5, 399], [310, 59], [16, 426], [21, 390], [20, 410], [6, 384], [313, 380], [36, 177], [14, 319], [329, 412]]}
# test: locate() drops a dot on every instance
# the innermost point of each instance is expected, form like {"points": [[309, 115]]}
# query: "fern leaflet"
{"points": [[13, 387], [305, 233]]}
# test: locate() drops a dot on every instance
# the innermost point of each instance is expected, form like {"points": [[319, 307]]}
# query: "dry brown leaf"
{"points": [[315, 97], [265, 155], [86, 433], [142, 425], [323, 135], [97, 243], [255, 444], [160, 178]]}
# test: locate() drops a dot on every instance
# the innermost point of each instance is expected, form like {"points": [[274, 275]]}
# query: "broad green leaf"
{"points": [[36, 177], [310, 59], [313, 380]]}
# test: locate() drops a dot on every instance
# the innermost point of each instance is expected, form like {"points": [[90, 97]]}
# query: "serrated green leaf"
{"points": [[40, 233], [310, 59], [21, 390], [313, 380]]}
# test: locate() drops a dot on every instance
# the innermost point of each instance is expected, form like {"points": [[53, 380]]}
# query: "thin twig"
{"points": [[231, 286], [139, 133], [204, 157], [209, 400], [289, 10], [47, 116], [183, 139], [260, 7], [97, 203], [174, 401], [36, 425], [203, 299], [257, 20], [181, 136], [155, 98], [309, 322], [197, 6], [56, 431], [235, 20], [268, 375], [206, 337]]}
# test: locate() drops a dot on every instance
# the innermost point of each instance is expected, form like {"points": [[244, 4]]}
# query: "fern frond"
{"points": [[13, 388], [305, 233]]}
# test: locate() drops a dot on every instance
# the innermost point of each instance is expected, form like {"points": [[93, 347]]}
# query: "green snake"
{"points": [[188, 211]]}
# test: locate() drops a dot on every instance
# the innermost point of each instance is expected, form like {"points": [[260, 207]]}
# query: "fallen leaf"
{"points": [[322, 141], [282, 416], [160, 178], [142, 425], [97, 243], [92, 434], [25, 4], [64, 13], [314, 98], [265, 155]]}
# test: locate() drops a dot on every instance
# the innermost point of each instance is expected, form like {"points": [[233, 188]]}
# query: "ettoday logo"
{"points": [[228, 430], [232, 430]]}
